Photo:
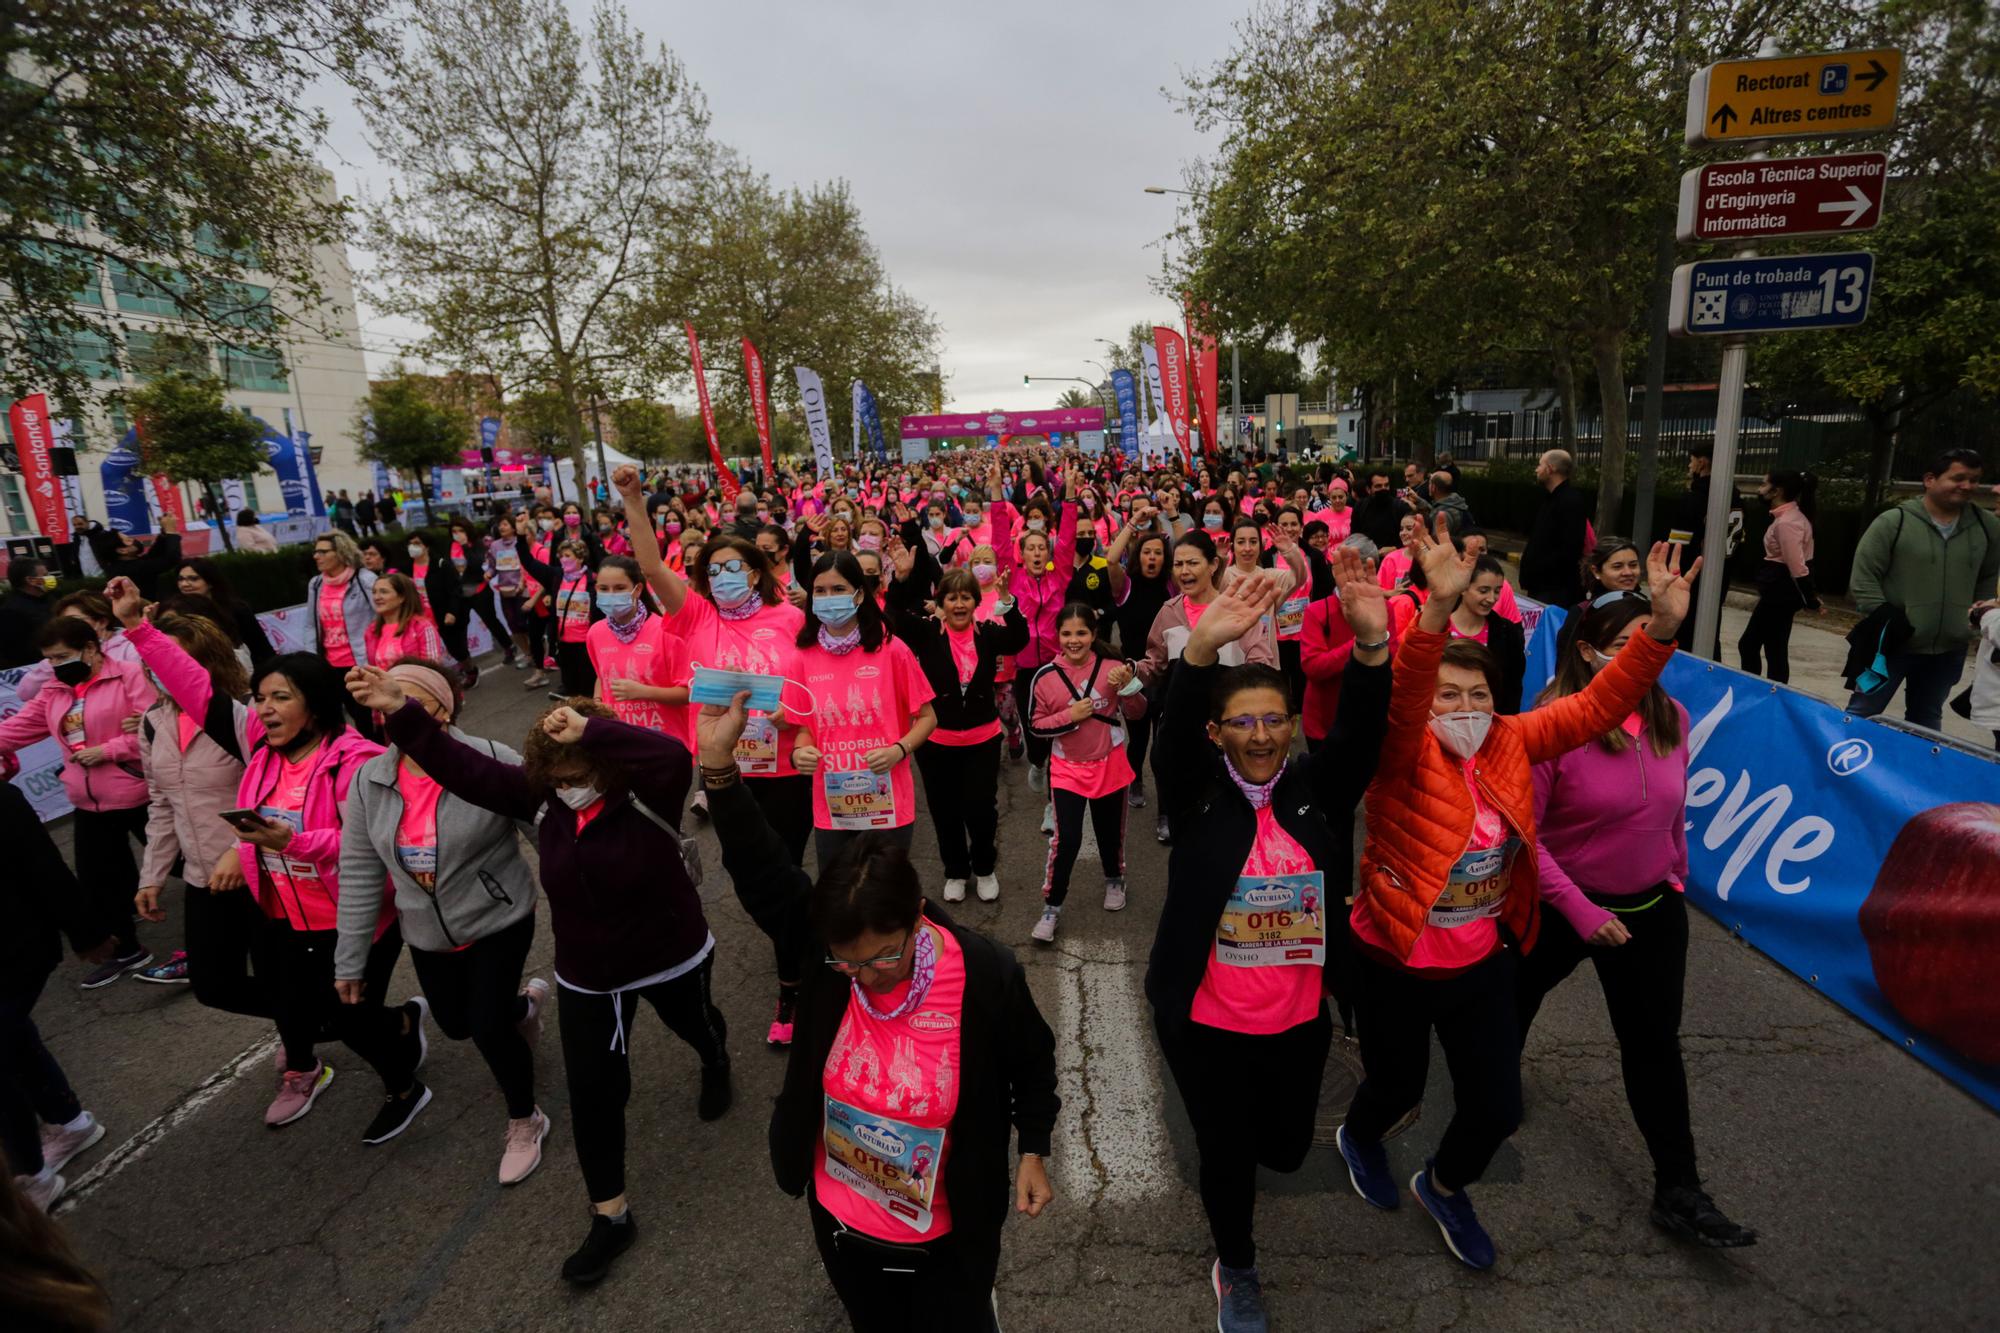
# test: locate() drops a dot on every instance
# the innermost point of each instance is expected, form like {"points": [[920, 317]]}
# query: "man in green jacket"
{"points": [[1933, 556]]}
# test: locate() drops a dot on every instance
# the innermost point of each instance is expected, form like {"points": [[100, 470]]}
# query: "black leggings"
{"points": [[1107, 816], [1473, 1014], [579, 677], [595, 1032], [1024, 708], [536, 627], [1642, 980], [32, 1085], [455, 644], [476, 992], [300, 965], [1293, 667], [787, 804], [1770, 627], [1139, 739], [961, 785], [221, 935], [106, 870], [895, 1288], [1253, 1101]]}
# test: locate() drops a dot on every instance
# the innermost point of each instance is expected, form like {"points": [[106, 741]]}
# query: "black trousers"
{"points": [[476, 992], [300, 965], [106, 870], [1253, 1100], [1770, 627], [906, 1288], [1473, 1015], [1107, 816], [1293, 667], [961, 785], [221, 935], [1024, 708], [33, 1089], [787, 804], [578, 675], [536, 627], [1139, 740], [455, 643], [595, 1032], [1642, 980]]}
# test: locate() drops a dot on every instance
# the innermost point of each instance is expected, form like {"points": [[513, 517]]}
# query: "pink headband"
{"points": [[424, 680]]}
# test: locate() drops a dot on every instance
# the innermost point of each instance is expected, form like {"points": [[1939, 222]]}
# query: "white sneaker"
{"points": [[1045, 929], [954, 890], [1038, 778], [989, 888], [62, 1142], [1114, 894], [42, 1190], [1049, 819]]}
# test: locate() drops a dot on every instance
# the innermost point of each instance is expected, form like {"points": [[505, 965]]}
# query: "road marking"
{"points": [[1111, 1138], [189, 1106]]}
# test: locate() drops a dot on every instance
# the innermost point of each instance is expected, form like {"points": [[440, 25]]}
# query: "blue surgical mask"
{"points": [[1213, 522], [730, 588], [836, 611], [617, 605]]}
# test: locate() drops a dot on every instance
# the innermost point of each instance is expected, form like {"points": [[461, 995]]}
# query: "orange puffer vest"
{"points": [[1420, 813]]}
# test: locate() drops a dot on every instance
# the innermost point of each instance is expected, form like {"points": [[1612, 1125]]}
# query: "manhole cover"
{"points": [[1343, 1077]]}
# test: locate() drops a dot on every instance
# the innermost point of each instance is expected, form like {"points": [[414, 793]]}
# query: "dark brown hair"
{"points": [[212, 649], [42, 1283], [542, 754], [1472, 655], [1657, 714], [871, 886]]}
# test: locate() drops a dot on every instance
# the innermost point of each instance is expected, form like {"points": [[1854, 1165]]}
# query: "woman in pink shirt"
{"points": [[1081, 703], [402, 627], [1784, 580]]}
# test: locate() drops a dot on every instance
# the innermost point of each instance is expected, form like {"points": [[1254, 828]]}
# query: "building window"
{"points": [[154, 354], [254, 368], [243, 305], [149, 290], [90, 290], [17, 506]]}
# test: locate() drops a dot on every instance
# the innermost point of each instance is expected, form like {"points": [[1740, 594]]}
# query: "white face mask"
{"points": [[1462, 733], [579, 798], [1602, 660]]}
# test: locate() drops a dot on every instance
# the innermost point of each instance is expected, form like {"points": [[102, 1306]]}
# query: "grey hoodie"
{"points": [[484, 884]]}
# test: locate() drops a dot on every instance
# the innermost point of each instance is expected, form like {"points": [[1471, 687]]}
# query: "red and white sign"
{"points": [[35, 444], [722, 473], [1789, 196], [1174, 385], [760, 406]]}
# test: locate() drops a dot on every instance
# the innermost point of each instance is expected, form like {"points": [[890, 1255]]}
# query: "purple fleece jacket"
{"points": [[1610, 824]]}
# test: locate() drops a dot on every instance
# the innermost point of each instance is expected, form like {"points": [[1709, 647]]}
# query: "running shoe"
{"points": [[1015, 749], [516, 661], [1368, 1171], [1114, 894], [62, 1142], [717, 1092], [419, 1009], [1690, 1214], [606, 1241], [297, 1091], [1239, 1300], [523, 1152], [536, 992], [954, 890], [537, 681], [173, 972], [468, 676], [106, 973], [1456, 1221], [396, 1114], [42, 1190], [1049, 819], [1135, 795], [1038, 778], [1161, 834], [1045, 929], [780, 1035], [988, 888]]}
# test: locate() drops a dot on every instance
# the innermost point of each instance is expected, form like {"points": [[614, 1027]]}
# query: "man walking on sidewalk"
{"points": [[1552, 561], [1933, 557]]}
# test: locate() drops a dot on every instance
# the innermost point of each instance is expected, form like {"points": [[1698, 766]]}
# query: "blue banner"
{"points": [[1862, 858], [125, 489], [871, 421], [1125, 387], [1723, 296], [290, 463], [489, 433]]}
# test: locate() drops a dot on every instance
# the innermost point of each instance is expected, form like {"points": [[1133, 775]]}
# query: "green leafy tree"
{"points": [[191, 434], [538, 178], [174, 144], [406, 427], [645, 428]]}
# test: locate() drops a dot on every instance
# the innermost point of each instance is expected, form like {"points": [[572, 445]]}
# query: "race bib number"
{"points": [[1274, 921], [299, 872], [419, 863], [860, 799], [1476, 886], [757, 748], [507, 562], [884, 1160], [72, 727], [1292, 616]]}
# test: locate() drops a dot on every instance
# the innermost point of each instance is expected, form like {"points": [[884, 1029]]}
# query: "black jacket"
{"points": [[1214, 825], [1380, 519], [1507, 642], [1690, 514], [958, 707], [1552, 561], [444, 586], [1007, 1055], [39, 898], [21, 616]]}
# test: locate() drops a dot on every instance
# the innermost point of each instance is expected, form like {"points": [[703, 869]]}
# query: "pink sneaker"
{"points": [[537, 993], [297, 1091], [523, 1152], [62, 1142], [42, 1190], [780, 1034]]}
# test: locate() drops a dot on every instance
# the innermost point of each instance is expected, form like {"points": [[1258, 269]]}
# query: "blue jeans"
{"points": [[1930, 677]]}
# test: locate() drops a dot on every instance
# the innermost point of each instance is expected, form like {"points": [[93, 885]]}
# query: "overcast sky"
{"points": [[997, 153]]}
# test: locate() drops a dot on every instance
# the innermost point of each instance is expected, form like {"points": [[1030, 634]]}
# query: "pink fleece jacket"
{"points": [[119, 690]]}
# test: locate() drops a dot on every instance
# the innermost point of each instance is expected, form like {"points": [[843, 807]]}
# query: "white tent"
{"points": [[566, 488]]}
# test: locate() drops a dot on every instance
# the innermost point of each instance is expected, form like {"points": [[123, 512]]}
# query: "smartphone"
{"points": [[243, 819]]}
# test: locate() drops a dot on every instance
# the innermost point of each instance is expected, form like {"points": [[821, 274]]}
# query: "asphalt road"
{"points": [[1873, 1181]]}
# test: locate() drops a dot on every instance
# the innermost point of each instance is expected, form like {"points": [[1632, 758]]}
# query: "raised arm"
{"points": [[669, 586], [461, 770]]}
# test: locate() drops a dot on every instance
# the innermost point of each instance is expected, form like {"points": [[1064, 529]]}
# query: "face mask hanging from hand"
{"points": [[1462, 733]]}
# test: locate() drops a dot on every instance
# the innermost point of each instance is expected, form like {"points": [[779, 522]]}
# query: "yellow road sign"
{"points": [[1794, 97]]}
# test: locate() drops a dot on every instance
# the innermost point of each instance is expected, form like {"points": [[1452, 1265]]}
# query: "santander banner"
{"points": [[728, 479], [1174, 383], [1058, 419], [760, 404], [34, 443]]}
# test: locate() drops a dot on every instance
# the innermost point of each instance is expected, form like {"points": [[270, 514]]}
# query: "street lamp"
{"points": [[1162, 189], [1235, 355]]}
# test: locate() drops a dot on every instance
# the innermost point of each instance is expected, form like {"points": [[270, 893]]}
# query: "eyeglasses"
{"points": [[1247, 725], [880, 963], [724, 567], [1617, 595]]}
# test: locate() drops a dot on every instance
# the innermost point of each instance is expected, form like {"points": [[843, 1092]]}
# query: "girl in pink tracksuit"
{"points": [[84, 709], [1081, 702]]}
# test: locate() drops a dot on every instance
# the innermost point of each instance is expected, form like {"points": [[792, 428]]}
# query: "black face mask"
{"points": [[73, 672]]}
